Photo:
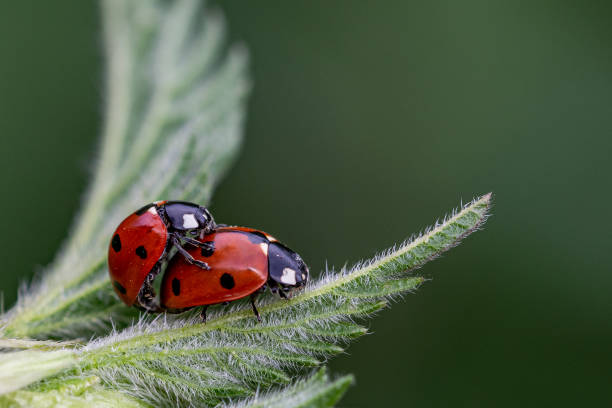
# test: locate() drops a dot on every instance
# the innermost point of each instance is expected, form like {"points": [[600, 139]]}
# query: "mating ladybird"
{"points": [[242, 261], [145, 239]]}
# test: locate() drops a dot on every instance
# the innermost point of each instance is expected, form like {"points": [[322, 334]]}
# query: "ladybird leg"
{"points": [[198, 244], [187, 255], [282, 294], [253, 297], [203, 314]]}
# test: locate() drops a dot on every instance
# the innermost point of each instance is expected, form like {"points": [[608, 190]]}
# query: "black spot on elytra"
{"points": [[120, 288], [208, 250], [176, 287], [116, 243], [141, 252], [227, 281]]}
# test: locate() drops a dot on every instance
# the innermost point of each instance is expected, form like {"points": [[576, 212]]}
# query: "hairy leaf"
{"points": [[315, 391], [73, 393], [22, 368], [173, 124], [178, 360], [174, 113]]}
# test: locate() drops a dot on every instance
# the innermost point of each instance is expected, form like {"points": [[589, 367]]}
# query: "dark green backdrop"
{"points": [[368, 121]]}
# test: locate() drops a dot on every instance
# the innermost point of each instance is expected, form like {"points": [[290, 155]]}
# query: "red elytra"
{"points": [[239, 267], [137, 245], [145, 239], [222, 263]]}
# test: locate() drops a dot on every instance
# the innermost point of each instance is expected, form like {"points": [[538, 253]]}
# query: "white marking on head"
{"points": [[264, 248], [303, 276], [288, 277], [189, 221], [152, 210]]}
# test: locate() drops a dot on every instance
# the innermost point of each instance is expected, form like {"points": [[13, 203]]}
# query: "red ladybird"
{"points": [[145, 239], [242, 262]]}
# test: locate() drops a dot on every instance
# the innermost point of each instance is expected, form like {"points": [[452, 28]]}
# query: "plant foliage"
{"points": [[175, 107]]}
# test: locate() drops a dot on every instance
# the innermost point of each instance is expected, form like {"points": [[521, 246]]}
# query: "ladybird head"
{"points": [[188, 218], [286, 268]]}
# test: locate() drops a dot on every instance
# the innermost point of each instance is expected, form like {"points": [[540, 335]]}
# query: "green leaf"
{"points": [[175, 108], [73, 393], [173, 124], [178, 359], [22, 368], [317, 391]]}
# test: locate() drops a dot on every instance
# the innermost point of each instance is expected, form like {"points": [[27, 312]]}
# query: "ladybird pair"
{"points": [[206, 264]]}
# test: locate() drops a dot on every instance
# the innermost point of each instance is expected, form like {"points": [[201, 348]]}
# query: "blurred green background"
{"points": [[368, 121]]}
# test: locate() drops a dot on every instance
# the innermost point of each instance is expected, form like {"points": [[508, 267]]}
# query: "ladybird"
{"points": [[146, 239], [243, 262]]}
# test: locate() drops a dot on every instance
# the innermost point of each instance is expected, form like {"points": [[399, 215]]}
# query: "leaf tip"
{"points": [[485, 199]]}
